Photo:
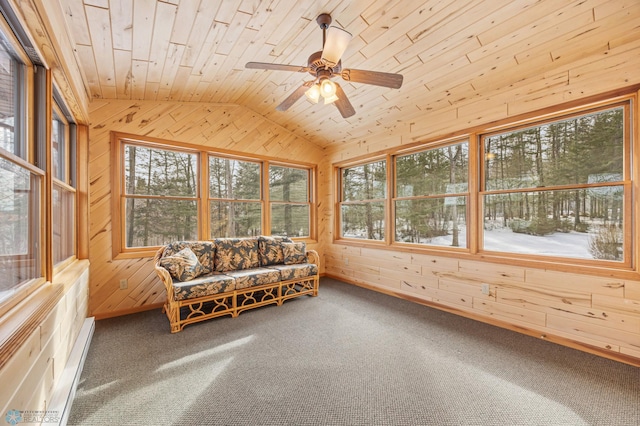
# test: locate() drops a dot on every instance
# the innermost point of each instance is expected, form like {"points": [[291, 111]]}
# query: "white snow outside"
{"points": [[571, 244]]}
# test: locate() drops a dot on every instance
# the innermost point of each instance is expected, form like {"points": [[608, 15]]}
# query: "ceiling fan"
{"points": [[325, 65]]}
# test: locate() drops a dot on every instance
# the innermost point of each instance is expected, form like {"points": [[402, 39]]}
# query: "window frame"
{"points": [[119, 139], [66, 185], [62, 166], [388, 213], [38, 216], [626, 183], [120, 193], [395, 198], [23, 93], [209, 198], [24, 156], [308, 202], [475, 136]]}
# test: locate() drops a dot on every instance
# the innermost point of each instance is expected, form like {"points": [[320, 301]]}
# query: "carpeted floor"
{"points": [[348, 357]]}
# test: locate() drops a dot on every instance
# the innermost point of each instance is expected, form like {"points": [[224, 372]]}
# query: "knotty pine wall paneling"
{"points": [[30, 376], [580, 310], [598, 314], [223, 126]]}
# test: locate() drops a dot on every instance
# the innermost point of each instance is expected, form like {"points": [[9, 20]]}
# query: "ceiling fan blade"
{"points": [[384, 79], [343, 104], [292, 98], [277, 67], [335, 45]]}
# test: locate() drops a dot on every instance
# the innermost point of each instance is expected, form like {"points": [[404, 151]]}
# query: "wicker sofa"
{"points": [[226, 276]]}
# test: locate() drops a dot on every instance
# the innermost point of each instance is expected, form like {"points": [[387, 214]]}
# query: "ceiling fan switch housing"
{"points": [[324, 20]]}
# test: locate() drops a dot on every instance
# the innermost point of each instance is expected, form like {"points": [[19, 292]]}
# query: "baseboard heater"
{"points": [[65, 391]]}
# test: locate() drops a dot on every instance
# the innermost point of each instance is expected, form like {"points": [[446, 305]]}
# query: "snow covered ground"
{"points": [[571, 244], [503, 239]]}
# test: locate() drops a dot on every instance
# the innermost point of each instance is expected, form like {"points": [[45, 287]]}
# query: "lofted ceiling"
{"points": [[456, 56]]}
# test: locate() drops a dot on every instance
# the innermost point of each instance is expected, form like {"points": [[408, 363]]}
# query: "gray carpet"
{"points": [[347, 357]]}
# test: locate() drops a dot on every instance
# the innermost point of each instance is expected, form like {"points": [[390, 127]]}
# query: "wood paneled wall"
{"points": [[31, 375], [587, 310], [222, 126], [593, 313]]}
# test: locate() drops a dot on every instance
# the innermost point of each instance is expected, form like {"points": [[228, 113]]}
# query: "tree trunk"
{"points": [[131, 188], [454, 209]]}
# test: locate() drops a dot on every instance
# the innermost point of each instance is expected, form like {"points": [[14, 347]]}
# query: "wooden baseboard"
{"points": [[104, 315], [543, 335]]}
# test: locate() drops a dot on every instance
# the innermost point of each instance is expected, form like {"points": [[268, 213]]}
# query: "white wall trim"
{"points": [[65, 390]]}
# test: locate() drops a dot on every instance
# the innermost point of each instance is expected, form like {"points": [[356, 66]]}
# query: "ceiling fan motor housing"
{"points": [[315, 65]]}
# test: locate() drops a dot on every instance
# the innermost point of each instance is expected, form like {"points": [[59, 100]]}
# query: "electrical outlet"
{"points": [[485, 289], [346, 260], [123, 284]]}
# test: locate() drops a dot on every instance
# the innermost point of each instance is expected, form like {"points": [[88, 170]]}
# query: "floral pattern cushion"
{"points": [[270, 250], [183, 265], [294, 253], [233, 254], [254, 277], [205, 285], [204, 251], [300, 270]]}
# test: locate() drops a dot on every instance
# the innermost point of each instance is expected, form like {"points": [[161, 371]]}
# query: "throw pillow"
{"points": [[234, 254], [294, 253], [271, 249], [183, 265]]}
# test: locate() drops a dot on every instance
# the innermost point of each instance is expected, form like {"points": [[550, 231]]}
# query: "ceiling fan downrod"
{"points": [[324, 20]]}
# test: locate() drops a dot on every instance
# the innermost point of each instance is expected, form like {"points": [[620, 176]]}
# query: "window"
{"points": [[432, 196], [555, 190], [59, 146], [12, 90], [289, 197], [559, 188], [20, 226], [64, 194], [362, 205], [235, 202], [161, 195], [63, 214], [167, 193], [22, 189]]}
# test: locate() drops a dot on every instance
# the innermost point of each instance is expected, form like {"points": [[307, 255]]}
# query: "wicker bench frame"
{"points": [[183, 312]]}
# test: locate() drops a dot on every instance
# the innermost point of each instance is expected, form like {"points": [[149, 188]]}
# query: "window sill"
{"points": [[20, 321]]}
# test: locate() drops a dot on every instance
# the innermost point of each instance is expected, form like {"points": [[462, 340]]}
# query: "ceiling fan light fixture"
{"points": [[335, 45], [313, 94], [330, 99], [327, 88]]}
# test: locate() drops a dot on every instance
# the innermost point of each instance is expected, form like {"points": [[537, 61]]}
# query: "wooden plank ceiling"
{"points": [[453, 54]]}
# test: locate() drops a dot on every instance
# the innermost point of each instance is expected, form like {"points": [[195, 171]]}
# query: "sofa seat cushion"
{"points": [[234, 254], [299, 270], [204, 251], [204, 285], [271, 250], [253, 277]]}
